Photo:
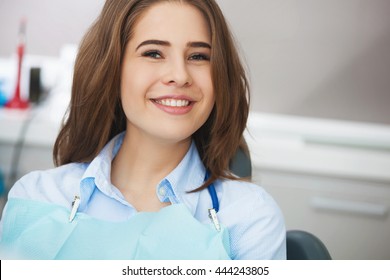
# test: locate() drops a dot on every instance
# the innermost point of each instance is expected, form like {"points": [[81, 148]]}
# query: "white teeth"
{"points": [[173, 102]]}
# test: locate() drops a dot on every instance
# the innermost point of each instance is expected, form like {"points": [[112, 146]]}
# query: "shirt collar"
{"points": [[98, 173], [187, 176]]}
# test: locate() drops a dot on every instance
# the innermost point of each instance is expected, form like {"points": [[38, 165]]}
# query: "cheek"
{"points": [[133, 84], [208, 89], [205, 83], [131, 90]]}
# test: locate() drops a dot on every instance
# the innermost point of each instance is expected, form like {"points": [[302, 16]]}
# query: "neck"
{"points": [[142, 162]]}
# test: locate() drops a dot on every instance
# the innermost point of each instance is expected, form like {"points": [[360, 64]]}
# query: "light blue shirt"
{"points": [[254, 221]]}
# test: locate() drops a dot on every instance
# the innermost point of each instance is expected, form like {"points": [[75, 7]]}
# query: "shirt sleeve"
{"points": [[261, 234], [17, 191]]}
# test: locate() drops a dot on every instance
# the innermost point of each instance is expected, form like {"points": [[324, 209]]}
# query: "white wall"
{"points": [[50, 23], [322, 58]]}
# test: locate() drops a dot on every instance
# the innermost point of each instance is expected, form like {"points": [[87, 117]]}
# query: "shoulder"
{"points": [[254, 220], [55, 185], [245, 193]]}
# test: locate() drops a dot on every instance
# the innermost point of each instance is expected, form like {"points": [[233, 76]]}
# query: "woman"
{"points": [[159, 105]]}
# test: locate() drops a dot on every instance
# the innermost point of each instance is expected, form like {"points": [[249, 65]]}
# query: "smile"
{"points": [[174, 106], [173, 102]]}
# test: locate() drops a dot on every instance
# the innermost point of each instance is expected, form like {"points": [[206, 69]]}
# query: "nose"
{"points": [[177, 73]]}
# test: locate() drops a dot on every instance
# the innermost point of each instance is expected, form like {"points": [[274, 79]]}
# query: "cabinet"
{"points": [[337, 187]]}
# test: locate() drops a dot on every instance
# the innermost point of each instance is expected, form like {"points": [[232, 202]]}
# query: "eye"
{"points": [[199, 57], [152, 54]]}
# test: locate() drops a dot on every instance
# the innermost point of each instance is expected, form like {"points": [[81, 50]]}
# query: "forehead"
{"points": [[172, 21]]}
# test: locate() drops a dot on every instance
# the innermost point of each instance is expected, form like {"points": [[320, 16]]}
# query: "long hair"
{"points": [[95, 114]]}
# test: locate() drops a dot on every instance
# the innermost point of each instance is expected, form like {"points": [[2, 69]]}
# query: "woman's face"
{"points": [[166, 86]]}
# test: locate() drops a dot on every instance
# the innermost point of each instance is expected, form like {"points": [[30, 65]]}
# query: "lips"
{"points": [[176, 105]]}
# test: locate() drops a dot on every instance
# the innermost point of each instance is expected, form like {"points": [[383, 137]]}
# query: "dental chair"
{"points": [[303, 245]]}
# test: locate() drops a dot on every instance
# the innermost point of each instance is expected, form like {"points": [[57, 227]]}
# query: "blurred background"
{"points": [[319, 129]]}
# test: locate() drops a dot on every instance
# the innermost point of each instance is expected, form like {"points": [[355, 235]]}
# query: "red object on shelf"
{"points": [[16, 102]]}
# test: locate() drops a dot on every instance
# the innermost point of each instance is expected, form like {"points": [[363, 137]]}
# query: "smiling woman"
{"points": [[143, 155], [161, 70]]}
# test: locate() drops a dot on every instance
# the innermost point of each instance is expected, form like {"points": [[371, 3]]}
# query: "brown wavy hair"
{"points": [[95, 113]]}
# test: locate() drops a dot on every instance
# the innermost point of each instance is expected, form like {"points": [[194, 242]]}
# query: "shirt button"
{"points": [[162, 191]]}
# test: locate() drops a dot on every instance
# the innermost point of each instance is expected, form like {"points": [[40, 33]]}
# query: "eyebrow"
{"points": [[166, 43], [199, 45]]}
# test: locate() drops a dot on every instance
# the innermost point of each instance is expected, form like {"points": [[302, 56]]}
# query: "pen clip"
{"points": [[75, 206], [214, 219]]}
